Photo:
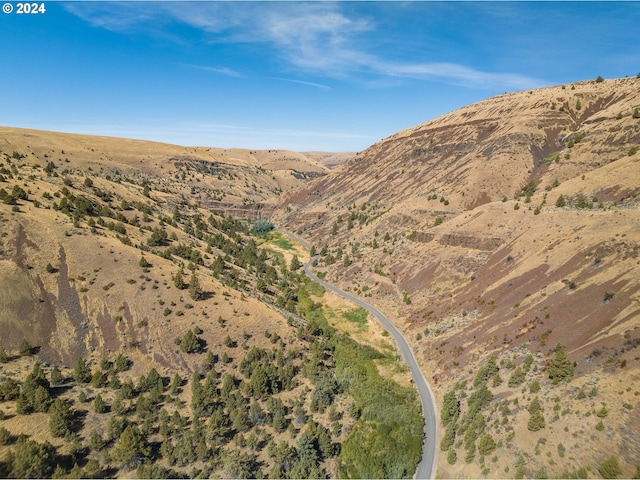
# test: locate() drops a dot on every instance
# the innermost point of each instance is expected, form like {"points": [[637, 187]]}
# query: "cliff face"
{"points": [[503, 228]]}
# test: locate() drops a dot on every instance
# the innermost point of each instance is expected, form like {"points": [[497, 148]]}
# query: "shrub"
{"points": [[561, 202], [536, 421], [144, 263], [5, 436], [452, 457], [25, 348], [582, 201], [610, 467], [516, 378], [190, 343], [486, 445], [599, 79], [262, 227]]}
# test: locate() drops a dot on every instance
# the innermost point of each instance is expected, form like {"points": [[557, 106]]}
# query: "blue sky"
{"points": [[332, 76]]}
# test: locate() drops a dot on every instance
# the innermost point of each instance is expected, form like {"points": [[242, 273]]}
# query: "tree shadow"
{"points": [[78, 421], [206, 295]]}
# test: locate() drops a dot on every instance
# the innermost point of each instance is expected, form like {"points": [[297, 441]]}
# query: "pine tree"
{"points": [[56, 376], [178, 279], [295, 263], [536, 421], [81, 371], [190, 343], [32, 459], [99, 406], [486, 445], [60, 418], [131, 447], [534, 406], [25, 348], [450, 408], [560, 368], [35, 395], [195, 292]]}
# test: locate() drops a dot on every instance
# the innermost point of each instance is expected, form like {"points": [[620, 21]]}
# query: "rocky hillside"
{"points": [[507, 229], [149, 331], [226, 180]]}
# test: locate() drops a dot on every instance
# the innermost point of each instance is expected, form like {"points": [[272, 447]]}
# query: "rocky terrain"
{"points": [[501, 238], [504, 229], [152, 327]]}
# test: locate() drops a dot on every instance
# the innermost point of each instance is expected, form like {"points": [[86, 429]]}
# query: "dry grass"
{"points": [[491, 278]]}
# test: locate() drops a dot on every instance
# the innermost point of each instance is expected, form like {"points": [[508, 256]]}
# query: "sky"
{"points": [[326, 76]]}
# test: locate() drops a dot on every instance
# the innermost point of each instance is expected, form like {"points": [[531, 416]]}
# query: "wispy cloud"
{"points": [[317, 38], [310, 84], [459, 74], [229, 72]]}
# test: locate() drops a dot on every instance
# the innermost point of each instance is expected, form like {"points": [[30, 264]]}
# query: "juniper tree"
{"points": [[560, 368], [131, 448], [195, 292], [60, 418], [81, 371]]}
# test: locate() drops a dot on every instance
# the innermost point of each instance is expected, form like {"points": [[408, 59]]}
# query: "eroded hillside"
{"points": [[146, 333], [226, 180], [504, 229]]}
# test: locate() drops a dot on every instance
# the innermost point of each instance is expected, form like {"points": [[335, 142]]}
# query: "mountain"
{"points": [[504, 234], [330, 159], [153, 326], [226, 180]]}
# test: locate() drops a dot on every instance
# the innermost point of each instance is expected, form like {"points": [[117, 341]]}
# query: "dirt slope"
{"points": [[224, 179], [504, 228]]}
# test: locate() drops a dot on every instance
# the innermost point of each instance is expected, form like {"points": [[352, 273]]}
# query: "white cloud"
{"points": [[229, 72], [460, 75], [310, 84], [313, 37]]}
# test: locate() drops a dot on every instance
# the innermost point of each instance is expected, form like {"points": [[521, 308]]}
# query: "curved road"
{"points": [[426, 467]]}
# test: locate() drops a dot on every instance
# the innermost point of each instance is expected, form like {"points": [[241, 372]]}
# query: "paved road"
{"points": [[426, 467]]}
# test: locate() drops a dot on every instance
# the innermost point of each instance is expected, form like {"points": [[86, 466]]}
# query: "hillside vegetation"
{"points": [[146, 334], [499, 237]]}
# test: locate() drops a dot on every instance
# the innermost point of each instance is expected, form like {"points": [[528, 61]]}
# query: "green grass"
{"points": [[552, 157], [280, 240], [357, 315]]}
